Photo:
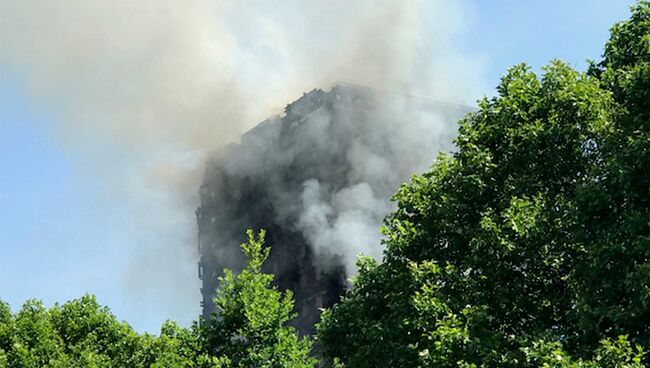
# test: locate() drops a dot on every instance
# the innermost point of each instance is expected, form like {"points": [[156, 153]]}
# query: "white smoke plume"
{"points": [[144, 89], [326, 170], [347, 227], [397, 138]]}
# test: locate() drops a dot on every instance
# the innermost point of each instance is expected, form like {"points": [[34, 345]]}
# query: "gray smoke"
{"points": [[326, 170], [319, 180], [395, 137], [144, 89]]}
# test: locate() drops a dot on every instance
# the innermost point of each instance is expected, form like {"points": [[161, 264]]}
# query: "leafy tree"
{"points": [[176, 347], [29, 338], [250, 329], [81, 333], [92, 336], [618, 354], [615, 279], [530, 242]]}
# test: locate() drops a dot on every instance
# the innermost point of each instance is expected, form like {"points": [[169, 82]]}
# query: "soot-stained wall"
{"points": [[319, 180]]}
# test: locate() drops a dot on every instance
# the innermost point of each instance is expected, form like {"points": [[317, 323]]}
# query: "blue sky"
{"points": [[59, 238], [48, 220], [511, 32]]}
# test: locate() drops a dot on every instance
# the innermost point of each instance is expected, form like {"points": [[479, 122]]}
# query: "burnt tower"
{"points": [[259, 182]]}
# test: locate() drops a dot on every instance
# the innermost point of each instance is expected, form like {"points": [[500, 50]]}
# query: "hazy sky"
{"points": [[61, 236]]}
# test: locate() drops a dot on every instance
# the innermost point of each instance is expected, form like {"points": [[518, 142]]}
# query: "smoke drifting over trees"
{"points": [[527, 246], [162, 83], [319, 179]]}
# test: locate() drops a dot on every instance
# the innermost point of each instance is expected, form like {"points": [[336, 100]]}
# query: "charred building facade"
{"points": [[349, 148]]}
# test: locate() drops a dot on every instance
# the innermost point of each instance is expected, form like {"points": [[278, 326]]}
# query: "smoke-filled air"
{"points": [[324, 183], [145, 90]]}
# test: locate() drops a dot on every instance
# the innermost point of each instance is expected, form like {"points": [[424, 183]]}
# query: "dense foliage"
{"points": [[249, 332], [81, 333], [528, 246]]}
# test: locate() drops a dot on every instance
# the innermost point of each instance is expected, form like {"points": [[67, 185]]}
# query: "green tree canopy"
{"points": [[614, 206], [80, 333], [249, 331], [531, 241], [249, 328]]}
